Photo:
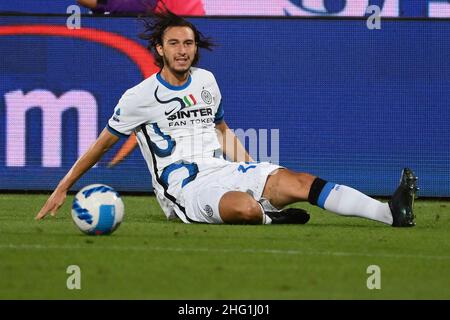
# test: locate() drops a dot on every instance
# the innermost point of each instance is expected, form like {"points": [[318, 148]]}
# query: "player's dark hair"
{"points": [[157, 23]]}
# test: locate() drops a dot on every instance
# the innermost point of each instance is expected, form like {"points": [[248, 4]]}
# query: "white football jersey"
{"points": [[175, 129]]}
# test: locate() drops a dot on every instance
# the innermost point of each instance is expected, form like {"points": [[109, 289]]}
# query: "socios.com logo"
{"points": [[20, 101]]}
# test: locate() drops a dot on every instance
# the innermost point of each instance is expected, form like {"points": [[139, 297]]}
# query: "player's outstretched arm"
{"points": [[231, 146], [103, 143]]}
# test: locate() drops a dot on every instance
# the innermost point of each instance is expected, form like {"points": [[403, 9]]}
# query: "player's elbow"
{"points": [[221, 126]]}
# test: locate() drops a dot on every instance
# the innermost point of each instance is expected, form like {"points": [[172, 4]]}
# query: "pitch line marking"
{"points": [[268, 251]]}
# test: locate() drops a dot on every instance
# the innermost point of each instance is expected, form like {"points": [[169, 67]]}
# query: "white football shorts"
{"points": [[201, 196]]}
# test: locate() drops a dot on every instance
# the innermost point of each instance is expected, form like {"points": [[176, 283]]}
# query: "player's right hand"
{"points": [[54, 202]]}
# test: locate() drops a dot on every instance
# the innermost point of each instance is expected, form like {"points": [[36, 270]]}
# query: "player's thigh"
{"points": [[284, 187], [216, 205]]}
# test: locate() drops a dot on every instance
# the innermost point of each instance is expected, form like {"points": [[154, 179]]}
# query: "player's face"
{"points": [[178, 49]]}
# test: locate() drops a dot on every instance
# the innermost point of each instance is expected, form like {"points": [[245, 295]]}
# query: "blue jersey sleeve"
{"points": [[219, 114]]}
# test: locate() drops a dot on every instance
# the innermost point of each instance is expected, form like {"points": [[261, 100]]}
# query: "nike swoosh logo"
{"points": [[167, 113], [176, 99]]}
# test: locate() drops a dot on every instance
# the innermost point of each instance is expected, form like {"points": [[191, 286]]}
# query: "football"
{"points": [[97, 209]]}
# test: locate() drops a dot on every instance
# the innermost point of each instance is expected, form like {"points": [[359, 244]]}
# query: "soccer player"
{"points": [[178, 120]]}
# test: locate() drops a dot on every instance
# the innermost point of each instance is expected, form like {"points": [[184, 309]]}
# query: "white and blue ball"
{"points": [[97, 209]]}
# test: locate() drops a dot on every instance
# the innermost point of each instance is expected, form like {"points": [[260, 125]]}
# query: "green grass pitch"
{"points": [[151, 258]]}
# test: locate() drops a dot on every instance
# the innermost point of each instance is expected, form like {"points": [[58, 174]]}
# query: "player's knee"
{"points": [[239, 208], [249, 211]]}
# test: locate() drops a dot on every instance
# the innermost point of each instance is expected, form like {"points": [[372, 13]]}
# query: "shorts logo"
{"points": [[116, 115], [206, 96], [209, 211]]}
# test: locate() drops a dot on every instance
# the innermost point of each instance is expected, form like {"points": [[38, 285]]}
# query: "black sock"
{"points": [[316, 189]]}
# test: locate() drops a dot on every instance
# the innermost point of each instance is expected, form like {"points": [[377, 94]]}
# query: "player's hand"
{"points": [[54, 202]]}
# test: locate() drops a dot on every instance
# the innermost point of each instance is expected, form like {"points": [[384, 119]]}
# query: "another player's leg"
{"points": [[285, 187]]}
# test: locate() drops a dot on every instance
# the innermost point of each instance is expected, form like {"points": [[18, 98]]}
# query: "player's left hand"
{"points": [[53, 203]]}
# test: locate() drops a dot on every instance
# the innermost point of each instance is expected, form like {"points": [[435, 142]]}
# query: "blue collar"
{"points": [[172, 87]]}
